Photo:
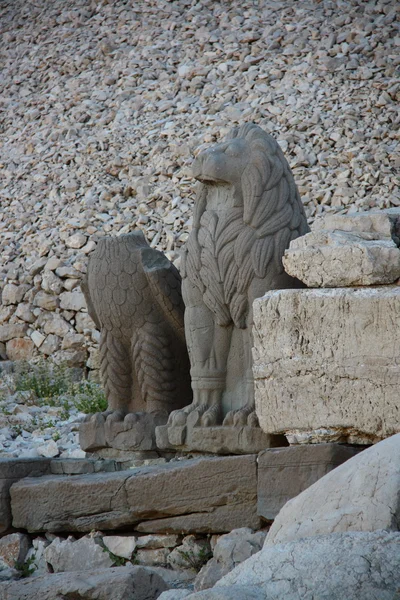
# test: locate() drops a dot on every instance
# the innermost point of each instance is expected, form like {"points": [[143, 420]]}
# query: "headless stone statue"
{"points": [[133, 293], [247, 211]]}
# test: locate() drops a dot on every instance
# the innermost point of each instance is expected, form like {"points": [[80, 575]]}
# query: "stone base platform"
{"points": [[208, 494], [217, 440]]}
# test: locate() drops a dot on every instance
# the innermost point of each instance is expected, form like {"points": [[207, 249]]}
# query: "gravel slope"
{"points": [[102, 105]]}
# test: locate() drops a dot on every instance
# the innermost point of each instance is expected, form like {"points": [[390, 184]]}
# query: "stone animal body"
{"points": [[133, 293], [247, 211]]}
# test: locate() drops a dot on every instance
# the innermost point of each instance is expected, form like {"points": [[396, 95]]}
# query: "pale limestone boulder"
{"points": [[326, 363], [119, 545], [120, 583], [340, 566], [230, 550], [362, 494], [85, 554], [342, 259]]}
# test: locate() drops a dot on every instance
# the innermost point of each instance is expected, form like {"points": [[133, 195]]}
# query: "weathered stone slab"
{"points": [[363, 494], [135, 583], [213, 494], [283, 473], [328, 359], [11, 470], [216, 440], [342, 259]]}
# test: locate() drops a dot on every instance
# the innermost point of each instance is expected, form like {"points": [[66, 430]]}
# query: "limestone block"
{"points": [[363, 494], [72, 300], [117, 583], [24, 312], [340, 566], [46, 301], [328, 359], [283, 473], [385, 223], [210, 494], [230, 550], [11, 470], [120, 545], [67, 555], [342, 259], [13, 294], [13, 330], [51, 283], [19, 349]]}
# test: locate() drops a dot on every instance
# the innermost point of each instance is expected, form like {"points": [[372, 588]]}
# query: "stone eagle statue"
{"points": [[133, 294], [247, 211]]}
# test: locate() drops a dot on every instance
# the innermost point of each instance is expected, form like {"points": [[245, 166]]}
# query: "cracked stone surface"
{"points": [[199, 495], [362, 494], [326, 363], [340, 566]]}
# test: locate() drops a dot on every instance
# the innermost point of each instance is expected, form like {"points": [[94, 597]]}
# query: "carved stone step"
{"points": [[209, 494]]}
